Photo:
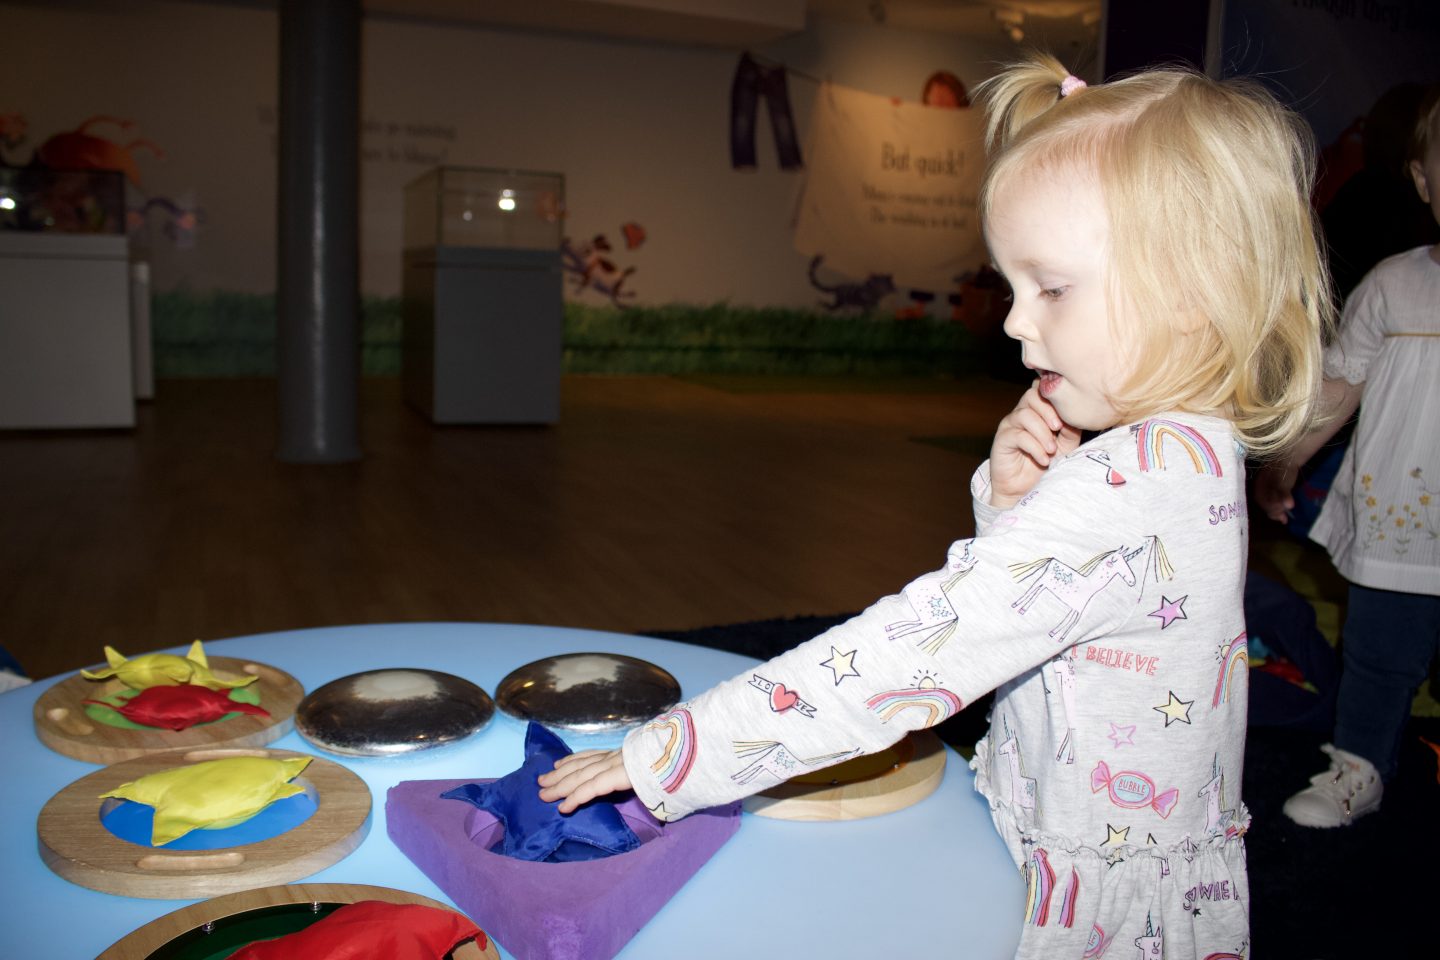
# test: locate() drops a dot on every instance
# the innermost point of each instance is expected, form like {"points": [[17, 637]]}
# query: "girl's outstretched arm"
{"points": [[581, 777]]}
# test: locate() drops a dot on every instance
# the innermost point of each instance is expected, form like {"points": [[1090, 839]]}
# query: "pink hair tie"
{"points": [[1069, 85]]}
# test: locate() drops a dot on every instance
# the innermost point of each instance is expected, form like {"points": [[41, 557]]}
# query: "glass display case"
{"points": [[37, 199], [482, 207], [481, 295]]}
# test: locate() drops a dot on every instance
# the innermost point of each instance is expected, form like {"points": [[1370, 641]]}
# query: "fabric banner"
{"points": [[890, 188]]}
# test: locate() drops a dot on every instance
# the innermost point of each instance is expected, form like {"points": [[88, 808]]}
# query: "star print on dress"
{"points": [[1175, 709], [841, 664], [1122, 736], [782, 698], [1115, 837], [776, 760], [1234, 667], [1170, 610]]}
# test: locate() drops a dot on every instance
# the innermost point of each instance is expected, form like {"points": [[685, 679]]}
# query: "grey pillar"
{"points": [[318, 341]]}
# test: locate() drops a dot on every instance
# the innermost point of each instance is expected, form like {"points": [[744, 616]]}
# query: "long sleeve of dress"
{"points": [[1066, 565]]}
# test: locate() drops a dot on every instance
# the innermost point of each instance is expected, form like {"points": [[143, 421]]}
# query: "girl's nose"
{"points": [[1016, 326]]}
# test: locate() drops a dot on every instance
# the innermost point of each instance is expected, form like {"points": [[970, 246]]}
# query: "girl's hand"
{"points": [[1027, 441], [581, 777], [1274, 488]]}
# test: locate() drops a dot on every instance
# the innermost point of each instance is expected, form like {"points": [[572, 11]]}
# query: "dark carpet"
{"points": [[1358, 891]]}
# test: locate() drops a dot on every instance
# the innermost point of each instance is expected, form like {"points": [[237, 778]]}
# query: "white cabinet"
{"points": [[65, 347]]}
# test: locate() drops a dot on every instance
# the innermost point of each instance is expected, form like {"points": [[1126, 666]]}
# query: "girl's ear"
{"points": [[1422, 186]]}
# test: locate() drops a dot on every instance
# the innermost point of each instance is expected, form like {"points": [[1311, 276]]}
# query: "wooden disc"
{"points": [[61, 723], [140, 944], [75, 844], [868, 786]]}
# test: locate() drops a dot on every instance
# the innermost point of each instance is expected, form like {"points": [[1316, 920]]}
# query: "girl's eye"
{"points": [[1053, 293]]}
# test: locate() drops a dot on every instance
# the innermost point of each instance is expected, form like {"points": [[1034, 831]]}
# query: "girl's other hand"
{"points": [[1274, 487], [1027, 441], [581, 777]]}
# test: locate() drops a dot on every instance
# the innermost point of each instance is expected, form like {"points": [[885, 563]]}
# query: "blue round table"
{"points": [[932, 878]]}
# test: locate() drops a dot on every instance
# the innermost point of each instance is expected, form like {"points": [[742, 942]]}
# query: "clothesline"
{"points": [[791, 71]]}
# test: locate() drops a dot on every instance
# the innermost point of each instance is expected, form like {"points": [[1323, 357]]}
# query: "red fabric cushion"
{"points": [[181, 706], [372, 929]]}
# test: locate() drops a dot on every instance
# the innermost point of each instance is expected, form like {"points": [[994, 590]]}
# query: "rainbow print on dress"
{"points": [[1234, 662], [1039, 883], [1150, 437], [937, 702], [674, 763]]}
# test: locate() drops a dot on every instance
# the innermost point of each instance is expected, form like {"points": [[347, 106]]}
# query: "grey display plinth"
{"points": [[483, 334]]}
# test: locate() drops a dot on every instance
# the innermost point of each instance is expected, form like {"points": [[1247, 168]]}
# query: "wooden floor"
{"points": [[655, 504]]}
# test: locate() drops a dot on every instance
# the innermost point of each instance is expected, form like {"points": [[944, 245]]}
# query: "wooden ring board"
{"points": [[144, 941], [75, 844], [61, 723], [895, 778]]}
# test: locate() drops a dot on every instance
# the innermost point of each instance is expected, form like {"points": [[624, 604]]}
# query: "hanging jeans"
{"points": [[751, 81]]}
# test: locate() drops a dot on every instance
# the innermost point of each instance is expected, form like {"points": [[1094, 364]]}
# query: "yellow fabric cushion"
{"points": [[212, 794], [163, 670]]}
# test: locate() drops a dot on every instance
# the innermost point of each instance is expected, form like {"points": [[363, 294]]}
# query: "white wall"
{"points": [[639, 130]]}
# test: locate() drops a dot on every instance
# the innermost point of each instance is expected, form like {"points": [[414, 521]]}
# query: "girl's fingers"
{"points": [[571, 764]]}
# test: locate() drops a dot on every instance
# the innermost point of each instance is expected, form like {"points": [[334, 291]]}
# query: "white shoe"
{"points": [[1350, 789]]}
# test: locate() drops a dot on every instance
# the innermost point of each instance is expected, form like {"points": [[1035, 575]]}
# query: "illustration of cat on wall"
{"points": [[865, 296]]}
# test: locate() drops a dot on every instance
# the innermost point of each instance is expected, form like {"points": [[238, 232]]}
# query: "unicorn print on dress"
{"points": [[1150, 443], [1152, 945], [933, 613], [1022, 788], [1074, 588], [1218, 820], [775, 759], [1064, 667]]}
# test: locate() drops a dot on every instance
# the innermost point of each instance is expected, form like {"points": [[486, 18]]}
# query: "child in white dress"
{"points": [[1169, 296], [1381, 519]]}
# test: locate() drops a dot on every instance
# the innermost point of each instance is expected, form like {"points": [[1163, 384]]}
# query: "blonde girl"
{"points": [[1169, 295]]}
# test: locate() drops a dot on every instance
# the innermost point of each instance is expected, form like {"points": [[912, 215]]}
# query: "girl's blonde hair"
{"points": [[1214, 252]]}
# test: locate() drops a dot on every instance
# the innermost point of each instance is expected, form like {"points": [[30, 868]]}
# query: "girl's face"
{"points": [[1049, 235]]}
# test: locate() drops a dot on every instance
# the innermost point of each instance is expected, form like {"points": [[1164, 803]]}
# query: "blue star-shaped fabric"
{"points": [[536, 830]]}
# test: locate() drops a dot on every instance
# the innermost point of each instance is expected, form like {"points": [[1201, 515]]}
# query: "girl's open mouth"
{"points": [[1049, 382]]}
